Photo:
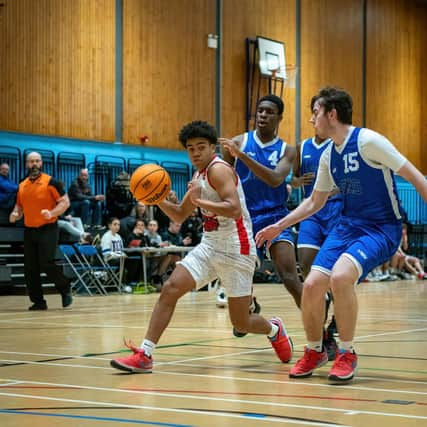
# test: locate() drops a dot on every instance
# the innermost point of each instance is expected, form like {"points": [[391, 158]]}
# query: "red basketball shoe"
{"points": [[281, 342], [138, 362], [308, 363], [344, 367]]}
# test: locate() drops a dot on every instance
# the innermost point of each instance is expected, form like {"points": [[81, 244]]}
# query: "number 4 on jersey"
{"points": [[273, 158]]}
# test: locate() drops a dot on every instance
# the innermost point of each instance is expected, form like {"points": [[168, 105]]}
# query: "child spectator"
{"points": [[152, 233], [112, 242], [127, 223], [137, 238]]}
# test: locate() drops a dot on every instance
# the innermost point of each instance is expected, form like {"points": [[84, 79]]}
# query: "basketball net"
{"points": [[291, 74]]}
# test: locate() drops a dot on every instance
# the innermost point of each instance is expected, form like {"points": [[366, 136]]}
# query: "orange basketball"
{"points": [[150, 184]]}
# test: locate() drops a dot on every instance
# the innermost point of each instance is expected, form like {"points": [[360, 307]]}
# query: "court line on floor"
{"points": [[156, 408], [14, 362], [408, 331], [92, 418], [207, 398], [263, 381], [75, 311], [21, 385], [90, 356], [159, 364], [176, 362]]}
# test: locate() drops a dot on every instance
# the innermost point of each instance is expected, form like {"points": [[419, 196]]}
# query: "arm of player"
{"points": [[379, 149], [178, 212], [230, 148], [297, 179], [415, 177], [272, 177], [223, 179], [307, 208]]}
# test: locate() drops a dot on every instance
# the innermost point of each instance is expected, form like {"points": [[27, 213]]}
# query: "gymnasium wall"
{"points": [[331, 53], [168, 71], [396, 89], [58, 65], [269, 18]]}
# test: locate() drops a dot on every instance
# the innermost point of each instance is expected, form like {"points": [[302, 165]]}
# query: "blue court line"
{"points": [[86, 417], [255, 415]]}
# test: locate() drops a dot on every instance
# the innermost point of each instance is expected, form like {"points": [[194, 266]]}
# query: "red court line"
{"points": [[250, 394], [295, 396]]}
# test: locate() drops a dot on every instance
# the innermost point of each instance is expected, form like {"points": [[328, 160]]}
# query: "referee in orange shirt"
{"points": [[41, 199]]}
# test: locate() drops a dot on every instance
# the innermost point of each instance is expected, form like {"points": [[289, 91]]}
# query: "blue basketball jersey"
{"points": [[261, 197], [368, 190], [310, 153]]}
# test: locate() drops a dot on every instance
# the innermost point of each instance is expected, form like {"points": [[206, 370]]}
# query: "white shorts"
{"points": [[206, 263]]}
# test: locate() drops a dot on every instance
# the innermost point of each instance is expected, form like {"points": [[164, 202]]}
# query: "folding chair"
{"points": [[113, 274], [81, 276]]}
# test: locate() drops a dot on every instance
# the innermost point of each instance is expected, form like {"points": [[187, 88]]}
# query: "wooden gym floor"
{"points": [[54, 365]]}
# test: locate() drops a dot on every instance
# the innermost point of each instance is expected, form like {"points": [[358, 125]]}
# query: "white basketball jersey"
{"points": [[227, 234]]}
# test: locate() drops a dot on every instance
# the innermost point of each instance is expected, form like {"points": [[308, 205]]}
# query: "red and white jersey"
{"points": [[227, 234]]}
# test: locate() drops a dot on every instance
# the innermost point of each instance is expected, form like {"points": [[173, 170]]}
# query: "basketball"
{"points": [[150, 184]]}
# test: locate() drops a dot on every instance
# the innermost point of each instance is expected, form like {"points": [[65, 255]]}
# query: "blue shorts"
{"points": [[366, 244], [263, 220], [314, 230]]}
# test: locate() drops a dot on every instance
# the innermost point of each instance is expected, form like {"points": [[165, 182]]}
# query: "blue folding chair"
{"points": [[111, 275], [81, 276]]}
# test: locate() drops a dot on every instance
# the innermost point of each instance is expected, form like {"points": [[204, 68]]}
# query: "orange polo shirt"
{"points": [[34, 196]]}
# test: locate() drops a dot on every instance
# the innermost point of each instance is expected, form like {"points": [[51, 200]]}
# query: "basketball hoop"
{"points": [[291, 76], [274, 72]]}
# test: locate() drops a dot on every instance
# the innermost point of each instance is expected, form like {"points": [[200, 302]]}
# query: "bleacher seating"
{"points": [[180, 175], [13, 157], [412, 203], [104, 171], [133, 164], [82, 273], [68, 166]]}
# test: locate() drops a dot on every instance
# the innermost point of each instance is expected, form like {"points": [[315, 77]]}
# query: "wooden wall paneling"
{"points": [[60, 67], [395, 95], [331, 53], [169, 72], [249, 18], [422, 16]]}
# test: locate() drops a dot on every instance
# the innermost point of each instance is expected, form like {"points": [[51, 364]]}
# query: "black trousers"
{"points": [[39, 256]]}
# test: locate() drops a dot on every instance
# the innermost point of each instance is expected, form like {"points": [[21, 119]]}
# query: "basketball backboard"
{"points": [[271, 59]]}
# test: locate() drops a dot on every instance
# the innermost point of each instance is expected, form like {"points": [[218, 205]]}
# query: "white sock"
{"points": [[347, 346], [148, 347], [315, 345], [274, 330]]}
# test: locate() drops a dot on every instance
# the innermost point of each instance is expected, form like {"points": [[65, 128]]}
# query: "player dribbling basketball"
{"points": [[227, 251]]}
